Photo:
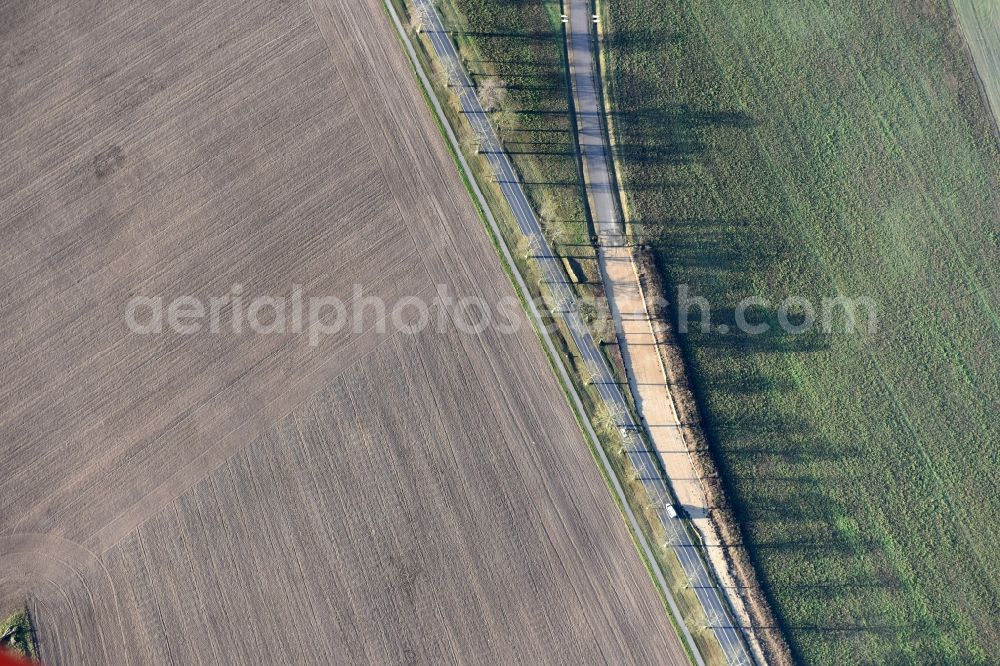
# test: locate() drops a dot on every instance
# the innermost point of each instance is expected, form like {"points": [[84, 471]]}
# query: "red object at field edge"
{"points": [[8, 659]]}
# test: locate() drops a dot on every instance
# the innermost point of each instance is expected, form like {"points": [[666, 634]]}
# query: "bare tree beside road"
{"points": [[492, 93], [482, 138], [529, 247], [590, 372], [596, 313], [451, 73], [558, 232], [419, 18]]}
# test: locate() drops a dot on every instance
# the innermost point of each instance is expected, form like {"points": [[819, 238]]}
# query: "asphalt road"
{"points": [[644, 461], [590, 132]]}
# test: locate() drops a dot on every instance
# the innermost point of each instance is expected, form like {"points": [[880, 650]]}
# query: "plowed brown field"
{"points": [[237, 498]]}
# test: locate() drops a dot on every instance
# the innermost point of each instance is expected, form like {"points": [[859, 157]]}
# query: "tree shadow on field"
{"points": [[781, 466], [483, 67], [700, 250], [541, 36], [777, 473], [790, 531], [637, 41], [773, 463], [520, 50], [672, 133], [734, 333], [737, 386]]}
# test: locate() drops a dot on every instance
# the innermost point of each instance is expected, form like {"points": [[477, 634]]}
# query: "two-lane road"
{"points": [[645, 462]]}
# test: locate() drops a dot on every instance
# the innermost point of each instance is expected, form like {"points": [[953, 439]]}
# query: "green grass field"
{"points": [[819, 149]]}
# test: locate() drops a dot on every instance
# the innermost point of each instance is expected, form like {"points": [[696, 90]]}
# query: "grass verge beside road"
{"points": [[816, 150]]}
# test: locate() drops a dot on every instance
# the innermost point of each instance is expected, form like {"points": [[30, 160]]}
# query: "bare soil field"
{"points": [[237, 498], [980, 22]]}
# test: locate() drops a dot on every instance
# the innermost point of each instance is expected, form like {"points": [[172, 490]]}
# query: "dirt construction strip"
{"points": [[647, 379], [639, 347]]}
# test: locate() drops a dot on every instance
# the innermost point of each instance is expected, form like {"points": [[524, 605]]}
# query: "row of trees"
{"points": [[594, 312]]}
